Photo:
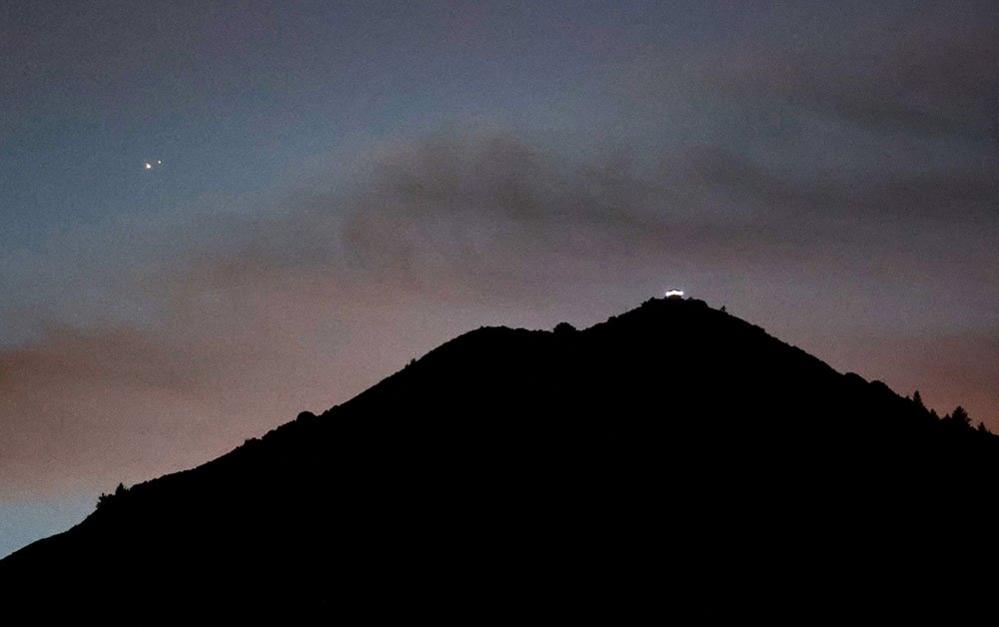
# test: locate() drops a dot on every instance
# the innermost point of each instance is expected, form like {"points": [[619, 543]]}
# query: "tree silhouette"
{"points": [[106, 499], [563, 328]]}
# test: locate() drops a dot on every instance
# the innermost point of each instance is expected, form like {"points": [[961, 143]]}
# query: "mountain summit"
{"points": [[673, 461]]}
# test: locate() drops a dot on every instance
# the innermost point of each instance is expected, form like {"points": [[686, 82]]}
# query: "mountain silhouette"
{"points": [[671, 462]]}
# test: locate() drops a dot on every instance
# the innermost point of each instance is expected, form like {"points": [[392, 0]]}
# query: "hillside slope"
{"points": [[672, 460]]}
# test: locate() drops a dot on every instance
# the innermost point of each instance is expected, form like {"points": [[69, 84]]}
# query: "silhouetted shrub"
{"points": [[564, 327], [106, 499]]}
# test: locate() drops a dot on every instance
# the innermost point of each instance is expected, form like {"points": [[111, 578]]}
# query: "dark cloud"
{"points": [[925, 71], [456, 207]]}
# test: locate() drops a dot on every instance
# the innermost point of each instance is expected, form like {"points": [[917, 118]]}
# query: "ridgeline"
{"points": [[671, 462]]}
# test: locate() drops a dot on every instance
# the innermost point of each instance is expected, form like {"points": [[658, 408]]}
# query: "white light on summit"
{"points": [[674, 293]]}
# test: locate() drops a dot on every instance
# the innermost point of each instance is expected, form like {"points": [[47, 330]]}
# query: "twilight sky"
{"points": [[346, 185]]}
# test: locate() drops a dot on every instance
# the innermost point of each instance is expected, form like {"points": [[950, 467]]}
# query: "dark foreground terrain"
{"points": [[672, 462]]}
